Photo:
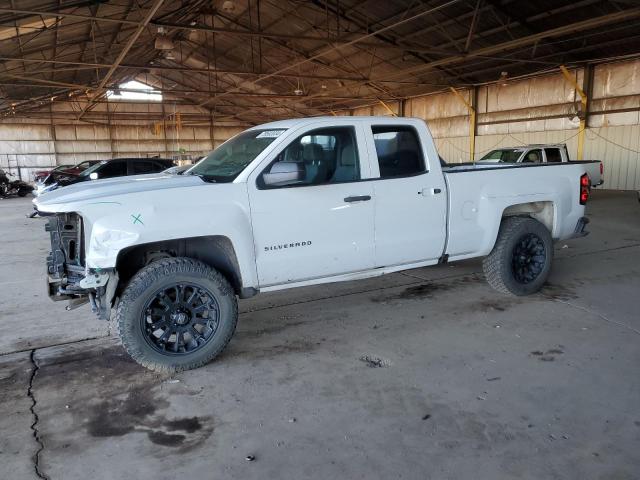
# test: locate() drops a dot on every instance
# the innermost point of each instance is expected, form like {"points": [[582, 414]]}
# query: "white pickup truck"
{"points": [[293, 203], [543, 153]]}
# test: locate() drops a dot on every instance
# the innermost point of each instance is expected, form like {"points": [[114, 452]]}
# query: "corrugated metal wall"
{"points": [[543, 110], [540, 109], [28, 146]]}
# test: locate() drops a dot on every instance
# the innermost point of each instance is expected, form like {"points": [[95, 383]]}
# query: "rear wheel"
{"points": [[176, 314], [520, 261]]}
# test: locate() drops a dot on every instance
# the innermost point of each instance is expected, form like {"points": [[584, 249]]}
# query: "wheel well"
{"points": [[215, 251], [541, 211]]}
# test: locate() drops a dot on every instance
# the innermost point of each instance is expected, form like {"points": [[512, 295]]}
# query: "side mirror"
{"points": [[93, 175], [284, 173]]}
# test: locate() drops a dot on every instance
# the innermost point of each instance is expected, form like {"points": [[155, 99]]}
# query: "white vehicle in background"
{"points": [[543, 153], [295, 203]]}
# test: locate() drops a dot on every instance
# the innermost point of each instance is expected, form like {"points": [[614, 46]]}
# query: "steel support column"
{"points": [[582, 115]]}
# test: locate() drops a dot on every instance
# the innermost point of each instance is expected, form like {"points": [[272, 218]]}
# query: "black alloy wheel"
{"points": [[529, 258], [180, 319]]}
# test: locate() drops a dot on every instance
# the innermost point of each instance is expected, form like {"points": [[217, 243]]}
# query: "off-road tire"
{"points": [[498, 265], [143, 286]]}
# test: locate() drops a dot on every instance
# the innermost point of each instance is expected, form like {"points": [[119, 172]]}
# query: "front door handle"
{"points": [[430, 191], [358, 198]]}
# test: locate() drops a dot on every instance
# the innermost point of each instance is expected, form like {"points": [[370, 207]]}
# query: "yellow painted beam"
{"points": [[472, 123], [583, 117]]}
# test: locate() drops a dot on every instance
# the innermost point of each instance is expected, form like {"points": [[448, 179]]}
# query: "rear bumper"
{"points": [[580, 228]]}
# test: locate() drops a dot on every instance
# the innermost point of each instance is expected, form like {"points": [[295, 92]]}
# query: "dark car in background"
{"points": [[117, 167]]}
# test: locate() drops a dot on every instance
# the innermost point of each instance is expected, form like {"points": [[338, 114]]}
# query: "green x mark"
{"points": [[137, 219]]}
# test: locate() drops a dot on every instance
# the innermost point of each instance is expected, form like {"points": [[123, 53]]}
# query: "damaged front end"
{"points": [[67, 276]]}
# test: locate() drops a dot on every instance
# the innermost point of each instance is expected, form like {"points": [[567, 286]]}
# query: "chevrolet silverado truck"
{"points": [[547, 153], [288, 204]]}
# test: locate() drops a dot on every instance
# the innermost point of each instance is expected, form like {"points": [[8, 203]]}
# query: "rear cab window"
{"points": [[398, 150], [553, 155]]}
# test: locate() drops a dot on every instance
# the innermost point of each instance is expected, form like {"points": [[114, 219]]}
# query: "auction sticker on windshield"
{"points": [[270, 134]]}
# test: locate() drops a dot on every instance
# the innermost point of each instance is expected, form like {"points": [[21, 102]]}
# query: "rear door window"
{"points": [[399, 151], [144, 166], [553, 155]]}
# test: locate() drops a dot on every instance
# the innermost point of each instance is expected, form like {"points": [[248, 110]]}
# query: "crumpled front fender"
{"points": [[105, 243]]}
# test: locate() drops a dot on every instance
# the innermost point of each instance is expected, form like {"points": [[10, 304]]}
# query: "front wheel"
{"points": [[176, 314], [520, 261]]}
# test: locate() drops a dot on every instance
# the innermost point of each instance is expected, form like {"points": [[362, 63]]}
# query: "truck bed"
{"points": [[470, 167], [479, 194]]}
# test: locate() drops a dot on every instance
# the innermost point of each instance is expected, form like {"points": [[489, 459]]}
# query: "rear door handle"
{"points": [[358, 198], [430, 191]]}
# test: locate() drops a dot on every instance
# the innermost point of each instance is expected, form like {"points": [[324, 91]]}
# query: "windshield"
{"points": [[505, 155], [85, 164], [226, 162], [92, 168]]}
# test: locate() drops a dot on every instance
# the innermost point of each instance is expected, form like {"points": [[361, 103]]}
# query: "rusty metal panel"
{"points": [[65, 132], [130, 132], [437, 106], [24, 132], [189, 147], [184, 133], [549, 89], [619, 149], [201, 133], [453, 149], [365, 111], [377, 110], [616, 79], [77, 157], [615, 118], [139, 148], [224, 133], [449, 127]]}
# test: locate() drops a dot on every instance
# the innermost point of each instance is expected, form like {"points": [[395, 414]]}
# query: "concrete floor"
{"points": [[471, 383]]}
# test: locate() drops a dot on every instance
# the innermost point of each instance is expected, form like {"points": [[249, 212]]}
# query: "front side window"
{"points": [[322, 156], [227, 161], [112, 169], [398, 150], [533, 156]]}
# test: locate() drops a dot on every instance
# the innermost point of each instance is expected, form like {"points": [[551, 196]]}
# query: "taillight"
{"points": [[601, 168], [585, 186]]}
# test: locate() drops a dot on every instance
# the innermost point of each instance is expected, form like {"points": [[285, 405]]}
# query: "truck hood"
{"points": [[97, 189]]}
